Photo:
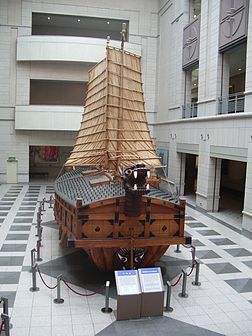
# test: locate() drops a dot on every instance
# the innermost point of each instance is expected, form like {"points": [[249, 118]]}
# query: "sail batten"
{"points": [[114, 130]]}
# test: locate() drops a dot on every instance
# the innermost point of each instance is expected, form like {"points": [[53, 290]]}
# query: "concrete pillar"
{"points": [[214, 182], [188, 93], [225, 83], [209, 173], [210, 60], [247, 208], [248, 82], [176, 167], [188, 86], [181, 177]]}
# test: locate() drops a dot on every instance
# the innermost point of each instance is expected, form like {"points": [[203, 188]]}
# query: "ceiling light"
{"points": [[48, 18], [78, 20], [108, 22], [239, 69]]}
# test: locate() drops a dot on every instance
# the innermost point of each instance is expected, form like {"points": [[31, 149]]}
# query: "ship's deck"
{"points": [[74, 184]]}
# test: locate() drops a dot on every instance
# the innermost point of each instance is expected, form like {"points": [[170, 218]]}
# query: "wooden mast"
{"points": [[106, 110], [120, 112]]}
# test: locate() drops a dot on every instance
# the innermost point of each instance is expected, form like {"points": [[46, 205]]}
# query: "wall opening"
{"points": [[232, 188], [233, 80], [68, 25], [191, 172], [45, 162], [51, 92]]}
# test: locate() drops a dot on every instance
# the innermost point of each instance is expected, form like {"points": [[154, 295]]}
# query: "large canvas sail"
{"points": [[114, 131]]}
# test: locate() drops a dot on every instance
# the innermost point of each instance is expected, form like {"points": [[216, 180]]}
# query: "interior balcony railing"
{"points": [[233, 103], [190, 110]]}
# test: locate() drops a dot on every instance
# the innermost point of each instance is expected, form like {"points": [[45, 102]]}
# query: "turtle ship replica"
{"points": [[108, 202]]}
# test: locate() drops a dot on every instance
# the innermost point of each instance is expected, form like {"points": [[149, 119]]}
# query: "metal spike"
{"points": [[148, 187], [135, 174], [135, 187], [148, 173]]}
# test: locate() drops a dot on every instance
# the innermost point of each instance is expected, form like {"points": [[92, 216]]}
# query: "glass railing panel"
{"points": [[190, 110], [231, 104]]}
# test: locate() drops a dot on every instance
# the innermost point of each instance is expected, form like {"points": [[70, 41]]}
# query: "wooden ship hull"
{"points": [[95, 220]]}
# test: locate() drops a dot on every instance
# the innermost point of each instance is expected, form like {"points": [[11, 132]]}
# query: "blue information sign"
{"points": [[127, 282], [126, 273], [151, 279], [149, 270]]}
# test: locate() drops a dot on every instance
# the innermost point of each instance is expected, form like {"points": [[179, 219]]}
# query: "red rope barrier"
{"points": [[173, 285], [93, 293], [44, 280], [1, 327], [192, 267], [193, 259]]}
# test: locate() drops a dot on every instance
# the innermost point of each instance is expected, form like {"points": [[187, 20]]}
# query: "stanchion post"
{"points": [[32, 258], [6, 309], [38, 219], [34, 287], [6, 320], [183, 293], [38, 227], [5, 305], [51, 202], [43, 204], [40, 234], [58, 299], [196, 280], [38, 250], [107, 309], [177, 249], [168, 307]]}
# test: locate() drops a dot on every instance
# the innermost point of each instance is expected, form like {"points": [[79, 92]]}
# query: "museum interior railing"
{"points": [[190, 110], [233, 103]]}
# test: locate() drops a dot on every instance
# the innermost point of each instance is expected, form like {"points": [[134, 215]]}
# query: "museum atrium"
{"points": [[170, 80]]}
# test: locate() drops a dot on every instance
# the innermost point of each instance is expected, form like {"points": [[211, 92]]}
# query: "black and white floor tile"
{"points": [[221, 305]]}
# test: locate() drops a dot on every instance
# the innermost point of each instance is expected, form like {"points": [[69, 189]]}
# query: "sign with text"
{"points": [[151, 280], [127, 282]]}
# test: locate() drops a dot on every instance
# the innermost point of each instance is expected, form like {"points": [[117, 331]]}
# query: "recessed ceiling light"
{"points": [[108, 22], [239, 69], [48, 18], [78, 20]]}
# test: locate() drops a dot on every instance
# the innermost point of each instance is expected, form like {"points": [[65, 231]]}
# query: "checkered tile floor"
{"points": [[222, 304]]}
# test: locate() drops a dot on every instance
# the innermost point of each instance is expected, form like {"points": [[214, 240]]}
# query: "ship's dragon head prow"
{"points": [[134, 182], [134, 179]]}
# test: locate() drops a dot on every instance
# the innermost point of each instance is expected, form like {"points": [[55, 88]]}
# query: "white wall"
{"points": [[16, 72], [171, 77]]}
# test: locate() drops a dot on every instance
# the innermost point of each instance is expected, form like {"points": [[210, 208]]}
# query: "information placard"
{"points": [[151, 280], [127, 282]]}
